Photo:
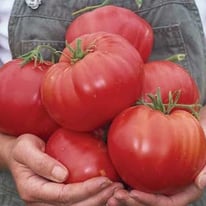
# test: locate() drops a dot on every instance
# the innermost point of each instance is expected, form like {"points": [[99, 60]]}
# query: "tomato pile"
{"points": [[104, 109]]}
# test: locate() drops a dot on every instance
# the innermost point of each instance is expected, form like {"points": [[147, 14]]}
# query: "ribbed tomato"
{"points": [[99, 76], [169, 77], [115, 20], [155, 152]]}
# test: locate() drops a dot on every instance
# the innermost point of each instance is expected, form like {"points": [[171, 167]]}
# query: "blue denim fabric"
{"points": [[176, 25]]}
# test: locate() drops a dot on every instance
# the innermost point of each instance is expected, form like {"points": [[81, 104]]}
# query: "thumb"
{"points": [[30, 151], [201, 179]]}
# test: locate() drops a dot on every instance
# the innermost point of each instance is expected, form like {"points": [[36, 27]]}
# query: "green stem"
{"points": [[78, 53], [176, 58], [139, 3], [173, 97], [89, 8], [104, 3], [36, 55], [191, 107]]}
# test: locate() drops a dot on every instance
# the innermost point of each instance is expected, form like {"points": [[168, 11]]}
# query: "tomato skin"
{"points": [[84, 155], [154, 152], [21, 108], [169, 76], [85, 95], [116, 20]]}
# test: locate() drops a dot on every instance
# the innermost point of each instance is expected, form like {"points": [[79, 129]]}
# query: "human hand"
{"points": [[138, 198], [33, 169]]}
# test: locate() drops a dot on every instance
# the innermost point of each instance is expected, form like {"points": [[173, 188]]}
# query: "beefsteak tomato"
{"points": [[154, 152], [84, 154], [21, 108], [96, 78], [116, 20], [169, 77]]}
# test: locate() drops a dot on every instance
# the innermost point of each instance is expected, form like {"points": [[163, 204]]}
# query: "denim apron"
{"points": [[177, 28]]}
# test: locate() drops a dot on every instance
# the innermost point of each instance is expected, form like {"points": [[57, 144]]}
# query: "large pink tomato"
{"points": [[116, 20], [156, 152], [21, 108], [98, 77], [84, 154], [169, 77]]}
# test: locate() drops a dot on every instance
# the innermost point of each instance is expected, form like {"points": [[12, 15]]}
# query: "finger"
{"points": [[182, 198], [101, 197], [200, 181], [189, 195], [30, 152], [151, 199], [54, 193], [122, 198]]}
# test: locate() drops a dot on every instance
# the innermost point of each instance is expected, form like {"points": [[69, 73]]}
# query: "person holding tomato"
{"points": [[30, 177]]}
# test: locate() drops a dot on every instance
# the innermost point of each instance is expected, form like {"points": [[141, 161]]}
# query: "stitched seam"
{"points": [[166, 3], [41, 16], [181, 42]]}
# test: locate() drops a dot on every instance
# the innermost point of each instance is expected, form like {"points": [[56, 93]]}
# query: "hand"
{"points": [[138, 198], [33, 171]]}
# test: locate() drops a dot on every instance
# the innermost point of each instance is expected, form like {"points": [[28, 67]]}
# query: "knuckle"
{"points": [[65, 195]]}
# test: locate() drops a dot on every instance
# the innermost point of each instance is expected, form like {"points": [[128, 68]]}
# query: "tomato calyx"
{"points": [[166, 108], [78, 53], [36, 55]]}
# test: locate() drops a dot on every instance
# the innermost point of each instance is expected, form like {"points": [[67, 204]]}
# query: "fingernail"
{"points": [[106, 183], [202, 182], [59, 173]]}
